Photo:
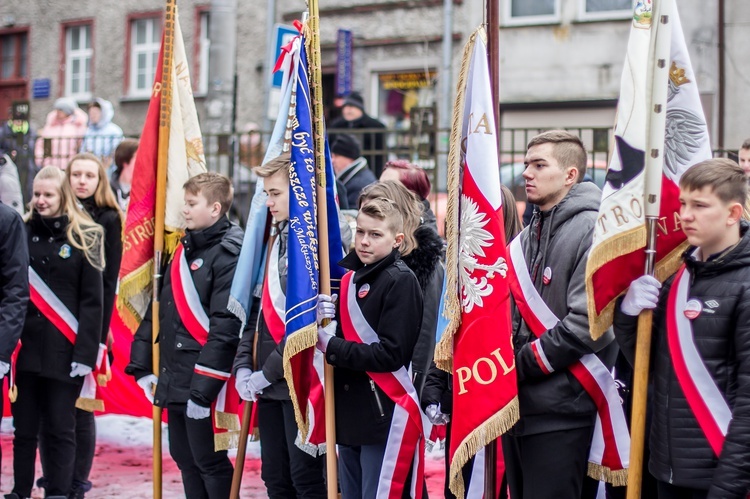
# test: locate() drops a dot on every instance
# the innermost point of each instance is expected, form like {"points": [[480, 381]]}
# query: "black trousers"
{"points": [[85, 441], [206, 474], [669, 491], [549, 465], [48, 406], [287, 471]]}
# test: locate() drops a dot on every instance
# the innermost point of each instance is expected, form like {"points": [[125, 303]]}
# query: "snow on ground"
{"points": [[122, 466]]}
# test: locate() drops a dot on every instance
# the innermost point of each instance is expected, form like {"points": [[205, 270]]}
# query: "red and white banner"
{"points": [[404, 451], [705, 399], [610, 449], [617, 254], [477, 298]]}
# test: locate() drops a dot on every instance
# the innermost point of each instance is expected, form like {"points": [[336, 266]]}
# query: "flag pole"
{"points": [[493, 55], [323, 258], [239, 463], [658, 74], [159, 212]]}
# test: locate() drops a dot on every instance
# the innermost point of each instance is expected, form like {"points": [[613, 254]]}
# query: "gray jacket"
{"points": [[556, 243]]}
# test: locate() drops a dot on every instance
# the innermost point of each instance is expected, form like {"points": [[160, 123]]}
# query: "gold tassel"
{"points": [[227, 421], [135, 283], [598, 472], [171, 240], [101, 380], [13, 394], [485, 433], [226, 440], [300, 340], [89, 405]]}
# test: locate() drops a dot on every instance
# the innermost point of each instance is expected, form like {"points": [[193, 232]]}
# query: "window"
{"points": [[145, 42], [532, 11], [204, 45], [13, 48], [606, 9], [79, 53]]}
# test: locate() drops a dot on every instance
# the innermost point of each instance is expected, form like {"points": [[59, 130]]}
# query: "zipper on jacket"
{"points": [[377, 398]]}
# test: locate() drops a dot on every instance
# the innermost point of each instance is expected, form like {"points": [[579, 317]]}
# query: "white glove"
{"points": [[324, 335], [643, 294], [77, 369], [256, 384], [195, 411], [326, 307], [240, 382], [435, 416], [148, 384], [4, 368]]}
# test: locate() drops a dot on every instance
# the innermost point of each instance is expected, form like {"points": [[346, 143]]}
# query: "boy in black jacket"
{"points": [[700, 429], [378, 423], [197, 343]]}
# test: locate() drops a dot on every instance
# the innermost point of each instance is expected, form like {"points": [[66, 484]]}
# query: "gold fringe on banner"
{"points": [[444, 348], [226, 440], [89, 405], [602, 473], [296, 343], [483, 435], [171, 240], [227, 421]]}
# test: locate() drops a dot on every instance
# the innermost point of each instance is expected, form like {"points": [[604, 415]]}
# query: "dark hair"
{"points": [[746, 144], [216, 188], [568, 150], [512, 221], [94, 104], [412, 176], [124, 153], [725, 178]]}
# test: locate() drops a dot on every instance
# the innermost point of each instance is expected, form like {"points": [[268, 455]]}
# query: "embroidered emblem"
{"points": [[64, 251], [693, 309], [363, 290], [197, 263], [712, 304], [547, 276]]}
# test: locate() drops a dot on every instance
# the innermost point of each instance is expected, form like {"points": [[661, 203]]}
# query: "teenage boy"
{"points": [[197, 336], [378, 424], [700, 430], [287, 471]]}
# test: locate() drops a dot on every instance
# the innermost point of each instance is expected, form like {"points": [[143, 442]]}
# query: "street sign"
{"points": [[343, 63], [283, 34], [40, 88]]}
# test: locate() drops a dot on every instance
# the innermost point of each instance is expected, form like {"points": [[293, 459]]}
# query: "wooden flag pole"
{"points": [[159, 213], [493, 55], [657, 81], [316, 92], [239, 463]]}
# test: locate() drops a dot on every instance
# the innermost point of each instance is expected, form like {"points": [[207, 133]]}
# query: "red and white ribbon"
{"points": [[610, 447], [273, 300], [704, 398], [52, 307], [404, 451]]}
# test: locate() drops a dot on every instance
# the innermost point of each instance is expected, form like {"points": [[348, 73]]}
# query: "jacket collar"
{"points": [[367, 272], [734, 256], [48, 226], [194, 240]]}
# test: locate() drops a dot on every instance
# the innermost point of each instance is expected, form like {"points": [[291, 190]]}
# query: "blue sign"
{"points": [[40, 88], [283, 35], [343, 62]]}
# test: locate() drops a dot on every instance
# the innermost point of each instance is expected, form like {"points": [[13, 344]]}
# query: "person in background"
{"points": [[350, 167], [11, 192], [122, 176], [17, 137], [102, 135], [415, 179], [353, 116], [14, 286], [61, 334], [63, 129]]}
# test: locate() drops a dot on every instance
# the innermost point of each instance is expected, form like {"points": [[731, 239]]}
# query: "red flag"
{"points": [[477, 342]]}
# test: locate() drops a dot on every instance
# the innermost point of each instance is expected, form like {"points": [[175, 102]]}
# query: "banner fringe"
{"points": [[226, 440], [485, 433], [296, 343], [89, 405], [236, 308], [444, 348], [601, 473], [101, 379], [311, 449], [227, 421], [135, 283]]}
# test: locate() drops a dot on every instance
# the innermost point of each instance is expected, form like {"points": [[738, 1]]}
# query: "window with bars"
{"points": [[79, 54], [145, 42]]}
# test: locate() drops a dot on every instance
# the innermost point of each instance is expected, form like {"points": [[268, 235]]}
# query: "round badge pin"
{"points": [[197, 263], [693, 309], [547, 276], [363, 290], [64, 251]]}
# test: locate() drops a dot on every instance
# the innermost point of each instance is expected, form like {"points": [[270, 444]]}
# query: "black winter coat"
{"points": [[680, 453], [371, 141], [14, 280], [212, 257], [438, 390], [356, 177], [44, 350], [111, 222], [425, 262], [270, 355], [393, 308]]}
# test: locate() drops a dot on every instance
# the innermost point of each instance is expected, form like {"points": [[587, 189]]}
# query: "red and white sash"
{"points": [[404, 451], [704, 398], [273, 300], [610, 449], [55, 311], [196, 321]]}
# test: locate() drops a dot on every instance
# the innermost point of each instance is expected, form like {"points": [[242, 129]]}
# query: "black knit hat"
{"points": [[354, 99], [346, 145]]}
